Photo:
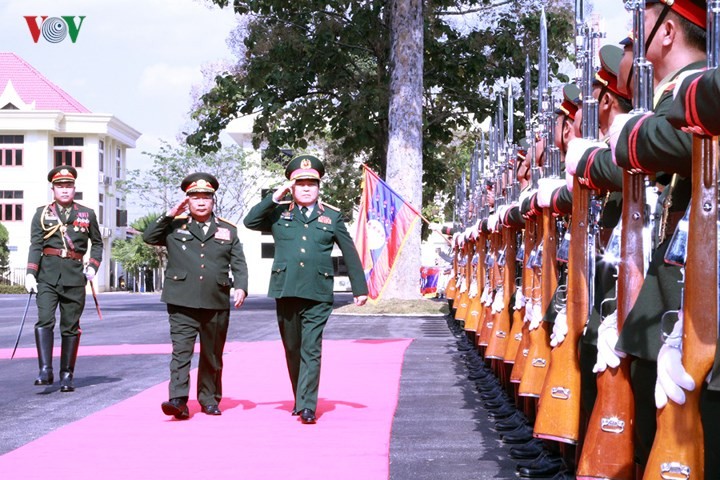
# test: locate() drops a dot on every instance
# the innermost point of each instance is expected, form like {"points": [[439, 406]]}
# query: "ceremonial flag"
{"points": [[383, 225]]}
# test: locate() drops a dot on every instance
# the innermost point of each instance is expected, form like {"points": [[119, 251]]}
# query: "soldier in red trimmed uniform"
{"points": [[60, 235]]}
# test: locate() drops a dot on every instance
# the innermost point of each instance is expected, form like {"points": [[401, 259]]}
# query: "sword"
{"points": [[22, 324], [97, 305]]}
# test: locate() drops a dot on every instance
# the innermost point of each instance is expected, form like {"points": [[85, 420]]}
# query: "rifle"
{"points": [[678, 450], [546, 280], [609, 441]]}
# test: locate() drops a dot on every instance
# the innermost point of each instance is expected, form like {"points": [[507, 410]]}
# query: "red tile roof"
{"points": [[31, 86]]}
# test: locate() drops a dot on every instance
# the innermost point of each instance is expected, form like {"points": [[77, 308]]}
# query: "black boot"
{"points": [[68, 355], [44, 344]]}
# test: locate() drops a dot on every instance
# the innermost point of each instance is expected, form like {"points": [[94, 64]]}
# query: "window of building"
{"points": [[101, 208], [118, 163], [11, 194], [11, 212], [68, 157], [101, 156], [11, 150], [68, 141]]}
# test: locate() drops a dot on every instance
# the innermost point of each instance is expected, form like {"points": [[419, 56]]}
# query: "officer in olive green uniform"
{"points": [[60, 234], [202, 249], [305, 230]]}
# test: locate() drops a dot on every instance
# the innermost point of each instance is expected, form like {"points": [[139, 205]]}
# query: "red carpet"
{"points": [[255, 438]]}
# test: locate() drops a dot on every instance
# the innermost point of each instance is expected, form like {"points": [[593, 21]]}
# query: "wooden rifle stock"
{"points": [[473, 312], [464, 296], [608, 450], [523, 348], [451, 288], [559, 407], [678, 450], [500, 335], [488, 320], [516, 332], [538, 360]]}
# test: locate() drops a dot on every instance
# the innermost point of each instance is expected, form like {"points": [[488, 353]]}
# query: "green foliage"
{"points": [[317, 71], [11, 289], [4, 251], [158, 188], [133, 253]]}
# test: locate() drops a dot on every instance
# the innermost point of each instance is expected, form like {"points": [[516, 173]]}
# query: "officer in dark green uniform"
{"points": [[60, 234], [305, 230], [202, 250]]}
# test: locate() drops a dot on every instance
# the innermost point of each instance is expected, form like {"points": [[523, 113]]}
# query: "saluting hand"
{"points": [[360, 300], [179, 208], [239, 297], [282, 190]]}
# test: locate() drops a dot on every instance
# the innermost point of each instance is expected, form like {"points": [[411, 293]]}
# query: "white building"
{"points": [[41, 126]]}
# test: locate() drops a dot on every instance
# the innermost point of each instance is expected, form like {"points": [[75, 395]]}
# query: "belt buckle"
{"points": [[63, 253]]}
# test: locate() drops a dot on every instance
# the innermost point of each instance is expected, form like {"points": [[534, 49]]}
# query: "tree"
{"points": [[159, 187], [318, 71], [4, 251], [134, 254]]}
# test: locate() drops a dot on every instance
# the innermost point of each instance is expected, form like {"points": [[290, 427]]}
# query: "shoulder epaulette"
{"points": [[226, 221]]}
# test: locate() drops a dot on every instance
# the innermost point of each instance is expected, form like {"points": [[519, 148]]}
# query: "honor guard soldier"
{"points": [[202, 250], [305, 229], [60, 235]]}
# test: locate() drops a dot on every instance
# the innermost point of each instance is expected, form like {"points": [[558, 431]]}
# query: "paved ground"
{"points": [[440, 430]]}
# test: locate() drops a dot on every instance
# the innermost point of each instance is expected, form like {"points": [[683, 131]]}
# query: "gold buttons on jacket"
{"points": [[201, 277], [202, 255], [304, 237], [202, 266], [302, 264], [302, 250]]}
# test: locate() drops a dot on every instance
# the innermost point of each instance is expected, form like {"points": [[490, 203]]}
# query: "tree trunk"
{"points": [[404, 155]]}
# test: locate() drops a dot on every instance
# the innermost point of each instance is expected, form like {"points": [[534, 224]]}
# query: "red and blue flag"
{"points": [[384, 223]]}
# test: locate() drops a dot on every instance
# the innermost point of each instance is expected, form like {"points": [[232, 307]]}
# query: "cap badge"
{"points": [[305, 164]]}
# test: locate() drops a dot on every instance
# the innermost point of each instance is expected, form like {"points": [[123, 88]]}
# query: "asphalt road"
{"points": [[439, 432]]}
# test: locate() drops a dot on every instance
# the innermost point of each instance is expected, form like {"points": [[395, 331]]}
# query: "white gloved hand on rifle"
{"points": [[546, 188], [537, 316], [498, 304], [607, 355], [560, 328], [519, 299], [31, 283], [672, 377]]}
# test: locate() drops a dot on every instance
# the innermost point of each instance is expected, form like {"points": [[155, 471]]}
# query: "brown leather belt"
{"points": [[58, 252]]}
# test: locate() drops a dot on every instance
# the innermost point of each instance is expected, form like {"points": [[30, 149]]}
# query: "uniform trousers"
{"points": [[72, 304], [185, 326], [301, 322]]}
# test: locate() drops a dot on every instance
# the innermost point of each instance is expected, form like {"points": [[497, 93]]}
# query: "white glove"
{"points": [[537, 316], [546, 188], [569, 180], [671, 375], [31, 283], [519, 299], [485, 293], [576, 149], [489, 299], [90, 273], [473, 288], [462, 285], [498, 304], [560, 328], [607, 339], [525, 194], [493, 222], [615, 129]]}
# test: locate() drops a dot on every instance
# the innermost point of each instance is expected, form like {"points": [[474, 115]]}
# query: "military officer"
{"points": [[60, 235], [305, 230], [202, 250]]}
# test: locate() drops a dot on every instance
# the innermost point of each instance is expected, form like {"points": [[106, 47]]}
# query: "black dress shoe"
{"points": [[307, 416], [520, 435], [543, 460], [177, 407], [501, 412], [549, 469], [211, 410], [530, 450], [510, 423]]}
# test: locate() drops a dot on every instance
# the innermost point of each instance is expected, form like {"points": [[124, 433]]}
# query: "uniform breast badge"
{"points": [[324, 219], [286, 215], [222, 234]]}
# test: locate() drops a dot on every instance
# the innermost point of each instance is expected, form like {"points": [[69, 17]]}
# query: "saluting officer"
{"points": [[305, 230], [59, 236], [202, 249]]}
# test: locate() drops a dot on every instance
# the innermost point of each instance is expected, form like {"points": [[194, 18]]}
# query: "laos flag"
{"points": [[384, 223]]}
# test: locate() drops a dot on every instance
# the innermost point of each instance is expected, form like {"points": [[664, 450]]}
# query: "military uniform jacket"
{"points": [[47, 230], [648, 144], [303, 266], [199, 264], [696, 104]]}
